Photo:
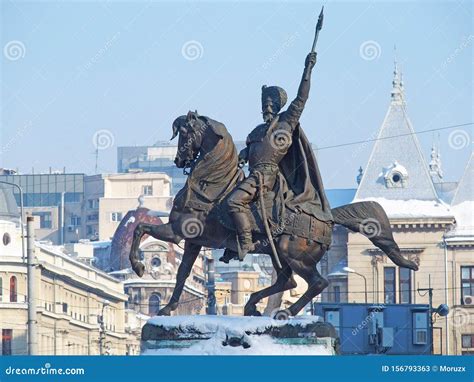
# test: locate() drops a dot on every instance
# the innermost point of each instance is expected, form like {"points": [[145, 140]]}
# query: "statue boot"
{"points": [[244, 234]]}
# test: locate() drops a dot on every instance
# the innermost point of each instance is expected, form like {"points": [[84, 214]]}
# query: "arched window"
{"points": [[13, 290], [154, 304]]}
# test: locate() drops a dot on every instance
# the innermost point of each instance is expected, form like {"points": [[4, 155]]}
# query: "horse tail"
{"points": [[369, 219]]}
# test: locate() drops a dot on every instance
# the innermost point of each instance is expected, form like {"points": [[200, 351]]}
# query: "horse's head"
{"points": [[190, 129]]}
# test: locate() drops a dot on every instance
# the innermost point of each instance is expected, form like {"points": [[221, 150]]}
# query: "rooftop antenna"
{"points": [[96, 152]]}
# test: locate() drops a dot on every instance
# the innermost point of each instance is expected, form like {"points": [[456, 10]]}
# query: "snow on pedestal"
{"points": [[230, 335]]}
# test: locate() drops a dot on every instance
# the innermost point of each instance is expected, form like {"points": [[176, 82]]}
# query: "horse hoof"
{"points": [[252, 311], [139, 269], [163, 312]]}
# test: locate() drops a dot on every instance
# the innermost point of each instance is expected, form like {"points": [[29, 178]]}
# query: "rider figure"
{"points": [[267, 145]]}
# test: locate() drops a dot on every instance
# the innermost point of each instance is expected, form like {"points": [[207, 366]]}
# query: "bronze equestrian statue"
{"points": [[280, 209], [268, 155]]}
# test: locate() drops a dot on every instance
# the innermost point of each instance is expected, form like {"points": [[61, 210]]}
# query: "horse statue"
{"points": [[206, 152]]}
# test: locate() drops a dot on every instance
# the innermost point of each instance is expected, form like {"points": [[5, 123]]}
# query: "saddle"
{"points": [[281, 218]]}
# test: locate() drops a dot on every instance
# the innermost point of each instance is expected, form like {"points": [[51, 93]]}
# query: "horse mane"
{"points": [[214, 170]]}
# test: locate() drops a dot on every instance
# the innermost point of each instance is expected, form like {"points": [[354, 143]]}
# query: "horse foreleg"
{"points": [[191, 252], [161, 232]]}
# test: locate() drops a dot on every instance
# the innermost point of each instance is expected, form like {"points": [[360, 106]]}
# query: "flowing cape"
{"points": [[301, 172]]}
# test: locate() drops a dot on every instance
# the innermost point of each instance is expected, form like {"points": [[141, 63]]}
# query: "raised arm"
{"points": [[294, 111]]}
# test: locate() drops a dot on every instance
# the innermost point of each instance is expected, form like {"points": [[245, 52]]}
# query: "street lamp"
{"points": [[350, 270], [21, 217]]}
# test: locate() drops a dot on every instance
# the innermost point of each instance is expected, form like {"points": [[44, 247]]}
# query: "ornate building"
{"points": [[148, 294], [430, 226]]}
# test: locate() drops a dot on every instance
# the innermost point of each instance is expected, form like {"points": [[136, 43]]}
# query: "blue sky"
{"points": [[83, 67]]}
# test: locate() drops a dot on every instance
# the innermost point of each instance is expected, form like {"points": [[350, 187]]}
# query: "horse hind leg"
{"points": [[304, 265], [284, 281]]}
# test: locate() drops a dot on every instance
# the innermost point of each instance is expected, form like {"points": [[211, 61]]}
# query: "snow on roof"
{"points": [[464, 215], [413, 208]]}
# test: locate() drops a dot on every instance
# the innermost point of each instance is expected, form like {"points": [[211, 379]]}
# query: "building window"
{"points": [[337, 293], [467, 341], [75, 220], [389, 285], [154, 304], [404, 277], [467, 282], [1, 289], [93, 217], [93, 204], [155, 262], [147, 190], [45, 219], [7, 335], [13, 289], [332, 317], [420, 328], [116, 217]]}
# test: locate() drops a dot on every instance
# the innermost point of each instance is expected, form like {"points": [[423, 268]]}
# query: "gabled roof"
{"points": [[396, 169]]}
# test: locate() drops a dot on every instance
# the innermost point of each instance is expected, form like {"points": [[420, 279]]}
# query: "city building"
{"points": [[148, 294], [432, 223], [109, 197], [55, 199], [80, 309]]}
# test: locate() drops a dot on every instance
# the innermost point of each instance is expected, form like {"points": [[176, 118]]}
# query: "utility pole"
{"points": [[430, 302], [31, 280], [102, 334], [211, 287]]}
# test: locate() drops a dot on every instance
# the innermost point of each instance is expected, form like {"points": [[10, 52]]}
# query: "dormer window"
{"points": [[396, 176]]}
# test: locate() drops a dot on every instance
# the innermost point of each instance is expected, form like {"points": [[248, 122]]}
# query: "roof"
{"points": [[463, 206], [396, 169], [8, 207], [465, 190]]}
